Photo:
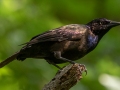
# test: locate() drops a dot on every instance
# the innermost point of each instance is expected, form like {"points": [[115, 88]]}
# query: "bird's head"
{"points": [[101, 26]]}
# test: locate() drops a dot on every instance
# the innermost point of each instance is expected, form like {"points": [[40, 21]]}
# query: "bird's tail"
{"points": [[8, 60]]}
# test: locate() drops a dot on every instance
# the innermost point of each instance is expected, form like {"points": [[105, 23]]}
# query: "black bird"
{"points": [[64, 44]]}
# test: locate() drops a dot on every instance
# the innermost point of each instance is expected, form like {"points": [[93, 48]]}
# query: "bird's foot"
{"points": [[83, 68], [77, 67]]}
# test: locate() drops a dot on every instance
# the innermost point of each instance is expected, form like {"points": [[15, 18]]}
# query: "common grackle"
{"points": [[64, 44]]}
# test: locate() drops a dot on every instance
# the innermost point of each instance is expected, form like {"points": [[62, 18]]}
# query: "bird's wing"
{"points": [[68, 32]]}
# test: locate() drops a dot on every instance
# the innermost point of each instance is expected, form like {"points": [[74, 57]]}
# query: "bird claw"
{"points": [[83, 68]]}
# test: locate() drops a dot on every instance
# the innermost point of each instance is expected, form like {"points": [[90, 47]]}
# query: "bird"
{"points": [[64, 44]]}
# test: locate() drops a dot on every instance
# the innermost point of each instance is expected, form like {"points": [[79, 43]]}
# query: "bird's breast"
{"points": [[92, 41]]}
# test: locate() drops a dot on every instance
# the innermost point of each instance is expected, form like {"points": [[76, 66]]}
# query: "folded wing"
{"points": [[69, 32]]}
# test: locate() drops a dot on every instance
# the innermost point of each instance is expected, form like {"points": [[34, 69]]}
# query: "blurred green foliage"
{"points": [[22, 19]]}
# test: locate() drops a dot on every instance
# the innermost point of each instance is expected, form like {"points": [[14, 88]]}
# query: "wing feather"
{"points": [[68, 32]]}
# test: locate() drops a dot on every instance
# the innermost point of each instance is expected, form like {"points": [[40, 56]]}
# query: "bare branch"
{"points": [[66, 78]]}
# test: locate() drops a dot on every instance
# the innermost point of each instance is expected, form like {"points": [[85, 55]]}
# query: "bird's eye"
{"points": [[104, 23], [101, 23]]}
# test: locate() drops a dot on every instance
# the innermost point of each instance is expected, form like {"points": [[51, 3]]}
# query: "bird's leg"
{"points": [[54, 64], [57, 54]]}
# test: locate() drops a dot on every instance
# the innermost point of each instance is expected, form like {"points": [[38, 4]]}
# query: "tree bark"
{"points": [[66, 78]]}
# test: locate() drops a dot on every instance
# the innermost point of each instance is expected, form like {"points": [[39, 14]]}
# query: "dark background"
{"points": [[20, 20]]}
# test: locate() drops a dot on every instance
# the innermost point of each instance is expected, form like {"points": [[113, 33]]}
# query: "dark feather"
{"points": [[68, 32], [8, 60]]}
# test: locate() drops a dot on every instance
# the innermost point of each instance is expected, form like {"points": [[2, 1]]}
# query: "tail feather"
{"points": [[8, 60]]}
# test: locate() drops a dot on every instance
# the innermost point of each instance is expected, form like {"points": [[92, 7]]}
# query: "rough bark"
{"points": [[66, 78]]}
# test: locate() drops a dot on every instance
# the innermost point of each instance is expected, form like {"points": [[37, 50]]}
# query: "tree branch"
{"points": [[66, 78]]}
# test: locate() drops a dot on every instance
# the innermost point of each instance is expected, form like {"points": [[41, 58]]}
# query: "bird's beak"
{"points": [[114, 23]]}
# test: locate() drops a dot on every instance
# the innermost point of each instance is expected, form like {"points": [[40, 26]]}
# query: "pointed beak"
{"points": [[114, 23]]}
